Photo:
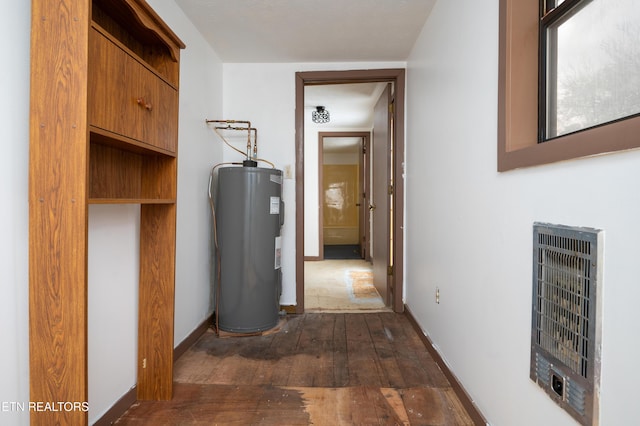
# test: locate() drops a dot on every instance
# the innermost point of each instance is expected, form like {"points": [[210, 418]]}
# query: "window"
{"points": [[590, 64], [587, 99]]}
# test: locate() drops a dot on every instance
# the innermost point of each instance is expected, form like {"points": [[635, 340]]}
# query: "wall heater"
{"points": [[565, 318]]}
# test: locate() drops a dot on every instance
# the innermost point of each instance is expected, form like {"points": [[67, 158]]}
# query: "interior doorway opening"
{"points": [[344, 182], [340, 278], [394, 236]]}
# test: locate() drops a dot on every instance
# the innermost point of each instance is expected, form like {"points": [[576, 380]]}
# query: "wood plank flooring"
{"points": [[320, 369]]}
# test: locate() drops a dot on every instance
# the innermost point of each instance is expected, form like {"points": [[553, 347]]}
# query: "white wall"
{"points": [[113, 230], [469, 228], [265, 95], [114, 265], [15, 22]]}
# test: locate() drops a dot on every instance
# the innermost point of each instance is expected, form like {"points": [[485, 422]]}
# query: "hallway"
{"points": [[317, 368]]}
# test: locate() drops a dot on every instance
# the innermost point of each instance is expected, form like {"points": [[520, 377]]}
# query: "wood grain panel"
{"points": [[58, 212], [120, 175], [114, 173], [144, 107], [159, 177], [159, 53], [160, 120], [156, 295]]}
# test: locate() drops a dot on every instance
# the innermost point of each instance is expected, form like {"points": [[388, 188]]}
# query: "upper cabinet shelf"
{"points": [[140, 29], [134, 65], [132, 103]]}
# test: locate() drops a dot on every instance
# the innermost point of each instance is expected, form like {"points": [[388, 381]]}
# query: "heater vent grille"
{"points": [[565, 326], [562, 300]]}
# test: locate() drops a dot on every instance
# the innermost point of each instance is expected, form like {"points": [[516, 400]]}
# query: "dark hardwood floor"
{"points": [[321, 369]]}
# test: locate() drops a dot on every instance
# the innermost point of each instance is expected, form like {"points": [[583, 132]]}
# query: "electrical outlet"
{"points": [[287, 172], [437, 295]]}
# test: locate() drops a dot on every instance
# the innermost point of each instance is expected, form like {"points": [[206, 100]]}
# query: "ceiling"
{"points": [[309, 31], [297, 31], [349, 105]]}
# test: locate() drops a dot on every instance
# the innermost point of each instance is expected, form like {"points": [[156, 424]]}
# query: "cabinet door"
{"points": [[128, 99], [160, 112]]}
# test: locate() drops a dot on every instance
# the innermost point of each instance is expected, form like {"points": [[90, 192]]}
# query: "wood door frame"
{"points": [[393, 75], [365, 136]]}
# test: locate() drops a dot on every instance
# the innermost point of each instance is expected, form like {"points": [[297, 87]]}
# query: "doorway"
{"points": [[395, 267], [343, 195]]}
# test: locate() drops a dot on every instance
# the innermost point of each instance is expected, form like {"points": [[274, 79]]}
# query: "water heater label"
{"points": [[274, 205], [278, 252]]}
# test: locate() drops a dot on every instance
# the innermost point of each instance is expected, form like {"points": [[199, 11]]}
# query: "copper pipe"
{"points": [[255, 142], [232, 128], [229, 127], [248, 123]]}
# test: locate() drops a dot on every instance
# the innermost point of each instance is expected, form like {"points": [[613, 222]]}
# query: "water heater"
{"points": [[249, 214]]}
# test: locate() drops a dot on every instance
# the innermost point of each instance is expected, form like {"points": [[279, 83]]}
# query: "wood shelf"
{"points": [[115, 140], [120, 174], [84, 150], [130, 201]]}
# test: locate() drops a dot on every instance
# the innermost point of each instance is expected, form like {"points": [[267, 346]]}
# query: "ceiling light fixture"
{"points": [[320, 115]]}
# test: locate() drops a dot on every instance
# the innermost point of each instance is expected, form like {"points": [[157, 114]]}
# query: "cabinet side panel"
{"points": [[57, 211], [156, 301]]}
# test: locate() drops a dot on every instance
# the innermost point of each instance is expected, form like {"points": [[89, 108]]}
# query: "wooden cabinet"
{"points": [[103, 129], [145, 106]]}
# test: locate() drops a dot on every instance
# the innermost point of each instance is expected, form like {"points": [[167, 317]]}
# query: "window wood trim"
{"points": [[518, 101]]}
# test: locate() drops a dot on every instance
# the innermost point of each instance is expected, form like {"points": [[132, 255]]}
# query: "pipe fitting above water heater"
{"points": [[250, 160]]}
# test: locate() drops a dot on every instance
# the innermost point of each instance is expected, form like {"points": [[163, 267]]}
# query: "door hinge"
{"points": [[390, 270], [391, 108], [364, 149], [390, 191]]}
